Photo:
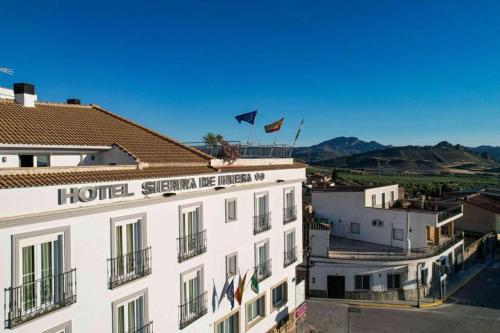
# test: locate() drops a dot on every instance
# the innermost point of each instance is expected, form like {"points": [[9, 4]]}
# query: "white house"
{"points": [[380, 245], [107, 226]]}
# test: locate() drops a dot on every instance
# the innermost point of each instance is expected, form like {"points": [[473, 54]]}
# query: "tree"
{"points": [[211, 140]]}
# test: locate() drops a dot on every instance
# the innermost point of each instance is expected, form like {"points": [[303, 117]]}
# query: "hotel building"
{"points": [[107, 226]]}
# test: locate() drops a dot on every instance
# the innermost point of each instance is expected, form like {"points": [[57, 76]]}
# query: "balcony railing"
{"points": [[450, 212], [290, 256], [148, 328], [264, 270], [394, 254], [192, 310], [289, 214], [34, 299], [261, 223], [129, 267], [191, 245]]}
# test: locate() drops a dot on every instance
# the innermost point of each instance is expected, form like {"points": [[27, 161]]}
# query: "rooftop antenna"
{"points": [[8, 71]]}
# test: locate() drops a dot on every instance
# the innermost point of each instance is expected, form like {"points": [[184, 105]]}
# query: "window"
{"points": [[392, 196], [41, 261], [128, 241], [262, 216], [192, 237], [262, 261], [393, 281], [355, 228], [129, 313], [256, 310], [130, 256], [374, 200], [383, 200], [42, 161], [279, 295], [398, 234], [231, 210], [289, 198], [231, 324], [290, 248], [26, 161], [42, 278], [63, 328], [231, 264], [193, 297], [362, 282]]}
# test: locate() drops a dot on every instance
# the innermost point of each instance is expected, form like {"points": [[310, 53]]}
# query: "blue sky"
{"points": [[399, 72]]}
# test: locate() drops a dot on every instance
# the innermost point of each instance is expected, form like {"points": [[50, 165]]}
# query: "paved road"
{"points": [[475, 308]]}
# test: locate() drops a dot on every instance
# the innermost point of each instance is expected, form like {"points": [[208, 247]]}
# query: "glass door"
{"points": [[190, 228], [128, 241], [131, 315]]}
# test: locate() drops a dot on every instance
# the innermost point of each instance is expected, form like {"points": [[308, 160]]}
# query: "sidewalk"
{"points": [[459, 280]]}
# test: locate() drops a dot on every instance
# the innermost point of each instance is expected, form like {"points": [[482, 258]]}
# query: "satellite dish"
{"points": [[8, 71]]}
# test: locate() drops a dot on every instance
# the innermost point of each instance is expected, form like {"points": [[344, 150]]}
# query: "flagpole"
{"points": [[296, 137], [274, 143], [248, 139]]}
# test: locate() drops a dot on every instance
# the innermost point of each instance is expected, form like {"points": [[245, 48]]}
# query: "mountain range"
{"points": [[353, 153]]}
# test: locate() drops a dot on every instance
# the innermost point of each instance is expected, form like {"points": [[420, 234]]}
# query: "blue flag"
{"points": [[248, 117], [230, 293], [214, 299], [223, 292]]}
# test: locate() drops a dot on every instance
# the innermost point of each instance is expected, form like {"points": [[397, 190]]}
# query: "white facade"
{"points": [[31, 214], [376, 249]]}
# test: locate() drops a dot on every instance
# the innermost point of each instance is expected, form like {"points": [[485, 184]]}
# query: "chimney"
{"points": [[24, 94], [74, 101]]}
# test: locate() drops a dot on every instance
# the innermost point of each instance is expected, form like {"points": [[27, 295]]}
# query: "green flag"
{"points": [[254, 283], [298, 131]]}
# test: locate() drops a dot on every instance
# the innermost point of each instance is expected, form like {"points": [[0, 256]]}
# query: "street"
{"points": [[473, 308]]}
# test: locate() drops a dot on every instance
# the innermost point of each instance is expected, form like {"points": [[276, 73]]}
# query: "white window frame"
{"points": [[258, 245], [235, 255], [223, 320], [284, 285], [63, 328], [256, 205], [127, 299], [374, 200], [187, 209], [287, 191], [123, 221], [188, 273], [250, 323], [37, 237], [228, 201]]}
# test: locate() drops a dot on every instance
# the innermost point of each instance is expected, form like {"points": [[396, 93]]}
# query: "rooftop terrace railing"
{"points": [[251, 150]]}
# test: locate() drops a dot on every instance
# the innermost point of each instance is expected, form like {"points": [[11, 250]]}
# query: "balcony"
{"points": [[129, 267], [346, 249], [148, 328], [290, 256], [191, 245], [264, 270], [34, 299], [192, 310], [261, 223], [450, 212], [289, 214]]}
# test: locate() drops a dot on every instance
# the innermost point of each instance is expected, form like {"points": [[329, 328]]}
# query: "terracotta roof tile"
{"points": [[80, 177], [89, 125]]}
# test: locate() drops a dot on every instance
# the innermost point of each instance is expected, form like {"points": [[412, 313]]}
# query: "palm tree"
{"points": [[211, 140]]}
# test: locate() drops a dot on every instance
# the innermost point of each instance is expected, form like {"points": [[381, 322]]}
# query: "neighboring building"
{"points": [[89, 199], [481, 212], [378, 243]]}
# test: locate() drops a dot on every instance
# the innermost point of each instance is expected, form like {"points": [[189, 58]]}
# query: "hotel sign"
{"points": [[103, 192]]}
